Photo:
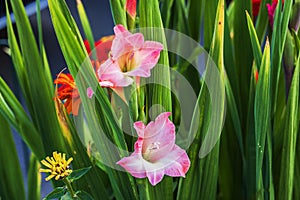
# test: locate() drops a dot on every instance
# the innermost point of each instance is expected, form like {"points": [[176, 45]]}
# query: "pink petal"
{"points": [[126, 43], [180, 165], [89, 92], [159, 138], [160, 126], [155, 177], [134, 165], [120, 29], [139, 127], [147, 57], [271, 12], [106, 84], [120, 46], [136, 40], [110, 71]]}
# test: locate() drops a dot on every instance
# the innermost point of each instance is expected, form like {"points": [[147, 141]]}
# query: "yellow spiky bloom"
{"points": [[58, 166]]}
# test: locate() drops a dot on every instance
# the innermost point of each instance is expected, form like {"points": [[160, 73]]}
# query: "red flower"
{"points": [[67, 90], [131, 8], [256, 6], [102, 47]]}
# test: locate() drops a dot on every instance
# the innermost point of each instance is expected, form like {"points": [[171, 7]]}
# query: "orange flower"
{"points": [[67, 90]]}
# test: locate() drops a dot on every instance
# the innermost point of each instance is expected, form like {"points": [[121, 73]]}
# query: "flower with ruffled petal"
{"points": [[155, 152], [57, 165], [130, 56]]}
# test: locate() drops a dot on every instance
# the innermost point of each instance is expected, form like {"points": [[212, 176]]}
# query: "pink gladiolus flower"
{"points": [[131, 7], [155, 152], [131, 56]]}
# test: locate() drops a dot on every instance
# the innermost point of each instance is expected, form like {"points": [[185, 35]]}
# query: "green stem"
{"points": [[69, 187]]}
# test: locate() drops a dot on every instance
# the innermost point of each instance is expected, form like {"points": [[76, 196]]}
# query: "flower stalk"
{"points": [[69, 187]]}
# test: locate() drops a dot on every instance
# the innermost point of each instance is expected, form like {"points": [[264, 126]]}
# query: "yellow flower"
{"points": [[58, 166]]}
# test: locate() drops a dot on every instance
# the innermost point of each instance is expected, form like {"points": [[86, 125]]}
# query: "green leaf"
{"points": [[281, 20], [158, 93], [34, 179], [233, 111], [201, 180], [195, 16], [250, 140], [262, 111], [229, 60], [92, 181], [254, 41], [118, 12], [77, 174], [84, 196], [286, 180], [242, 52], [13, 111], [67, 196], [41, 91], [58, 192], [11, 177], [86, 26], [262, 20], [166, 12], [210, 11]]}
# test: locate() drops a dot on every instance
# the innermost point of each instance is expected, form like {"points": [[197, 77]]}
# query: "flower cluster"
{"points": [[127, 57]]}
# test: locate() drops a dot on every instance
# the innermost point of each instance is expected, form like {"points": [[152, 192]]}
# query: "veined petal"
{"points": [[136, 40], [180, 162], [155, 177], [139, 127], [146, 57], [110, 71], [134, 164], [119, 29], [159, 138]]}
